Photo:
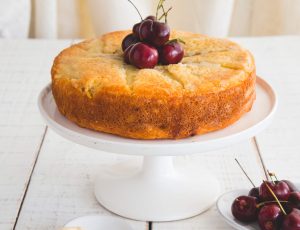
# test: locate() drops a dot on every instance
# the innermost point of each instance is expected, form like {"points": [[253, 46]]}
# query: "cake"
{"points": [[211, 88]]}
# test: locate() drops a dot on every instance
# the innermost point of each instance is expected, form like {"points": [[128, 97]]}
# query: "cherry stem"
{"points": [[244, 172], [159, 5], [273, 194], [270, 202], [136, 9], [163, 8], [272, 176], [165, 14]]}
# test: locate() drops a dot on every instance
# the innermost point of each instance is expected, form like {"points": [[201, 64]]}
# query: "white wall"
{"points": [[86, 18]]}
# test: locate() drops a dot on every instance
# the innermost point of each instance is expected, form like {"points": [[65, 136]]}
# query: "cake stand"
{"points": [[160, 190]]}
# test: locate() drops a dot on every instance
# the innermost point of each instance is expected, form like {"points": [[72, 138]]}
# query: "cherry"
{"points": [[280, 188], [171, 53], [294, 198], [254, 192], [128, 41], [161, 33], [148, 35], [288, 207], [154, 32], [143, 56], [292, 221], [244, 208], [291, 185], [136, 29], [145, 30], [150, 30], [126, 54], [151, 17], [270, 217]]}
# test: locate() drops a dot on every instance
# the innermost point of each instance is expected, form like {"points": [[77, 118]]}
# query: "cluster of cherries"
{"points": [[275, 205], [149, 44]]}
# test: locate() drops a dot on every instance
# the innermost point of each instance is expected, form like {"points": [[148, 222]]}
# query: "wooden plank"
{"points": [[24, 69], [62, 185], [19, 148]]}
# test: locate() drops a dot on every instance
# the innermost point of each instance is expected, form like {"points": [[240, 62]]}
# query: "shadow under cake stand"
{"points": [[160, 190]]}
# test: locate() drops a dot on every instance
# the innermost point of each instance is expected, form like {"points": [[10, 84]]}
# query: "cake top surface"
{"points": [[209, 65]]}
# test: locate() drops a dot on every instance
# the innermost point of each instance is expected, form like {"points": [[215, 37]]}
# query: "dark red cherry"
{"points": [[244, 208], [129, 40], [280, 188], [292, 221], [143, 56], [288, 207], [171, 53], [136, 29], [154, 32], [291, 185], [126, 54], [161, 33], [146, 30], [294, 198], [254, 192], [270, 217], [151, 17]]}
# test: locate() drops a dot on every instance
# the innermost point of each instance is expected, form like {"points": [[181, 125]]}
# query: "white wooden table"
{"points": [[46, 180]]}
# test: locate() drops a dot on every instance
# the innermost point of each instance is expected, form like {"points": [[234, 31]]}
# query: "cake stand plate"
{"points": [[160, 190]]}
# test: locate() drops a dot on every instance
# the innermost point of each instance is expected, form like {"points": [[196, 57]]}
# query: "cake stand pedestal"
{"points": [[160, 190]]}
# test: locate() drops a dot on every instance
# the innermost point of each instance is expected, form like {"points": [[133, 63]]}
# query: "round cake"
{"points": [[211, 88]]}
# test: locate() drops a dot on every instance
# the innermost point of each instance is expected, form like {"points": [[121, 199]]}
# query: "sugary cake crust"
{"points": [[211, 89]]}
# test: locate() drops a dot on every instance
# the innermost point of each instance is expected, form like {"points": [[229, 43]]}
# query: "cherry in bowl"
{"points": [[254, 192], [292, 220], [270, 217], [244, 208], [280, 188]]}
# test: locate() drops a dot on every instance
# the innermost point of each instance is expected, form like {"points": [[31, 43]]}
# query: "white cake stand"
{"points": [[160, 191]]}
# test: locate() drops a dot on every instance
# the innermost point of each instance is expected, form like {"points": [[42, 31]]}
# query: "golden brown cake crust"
{"points": [[211, 89]]}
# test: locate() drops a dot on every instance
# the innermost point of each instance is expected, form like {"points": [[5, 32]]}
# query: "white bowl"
{"points": [[98, 222], [224, 208]]}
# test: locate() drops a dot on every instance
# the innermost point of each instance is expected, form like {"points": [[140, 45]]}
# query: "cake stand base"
{"points": [[159, 191]]}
